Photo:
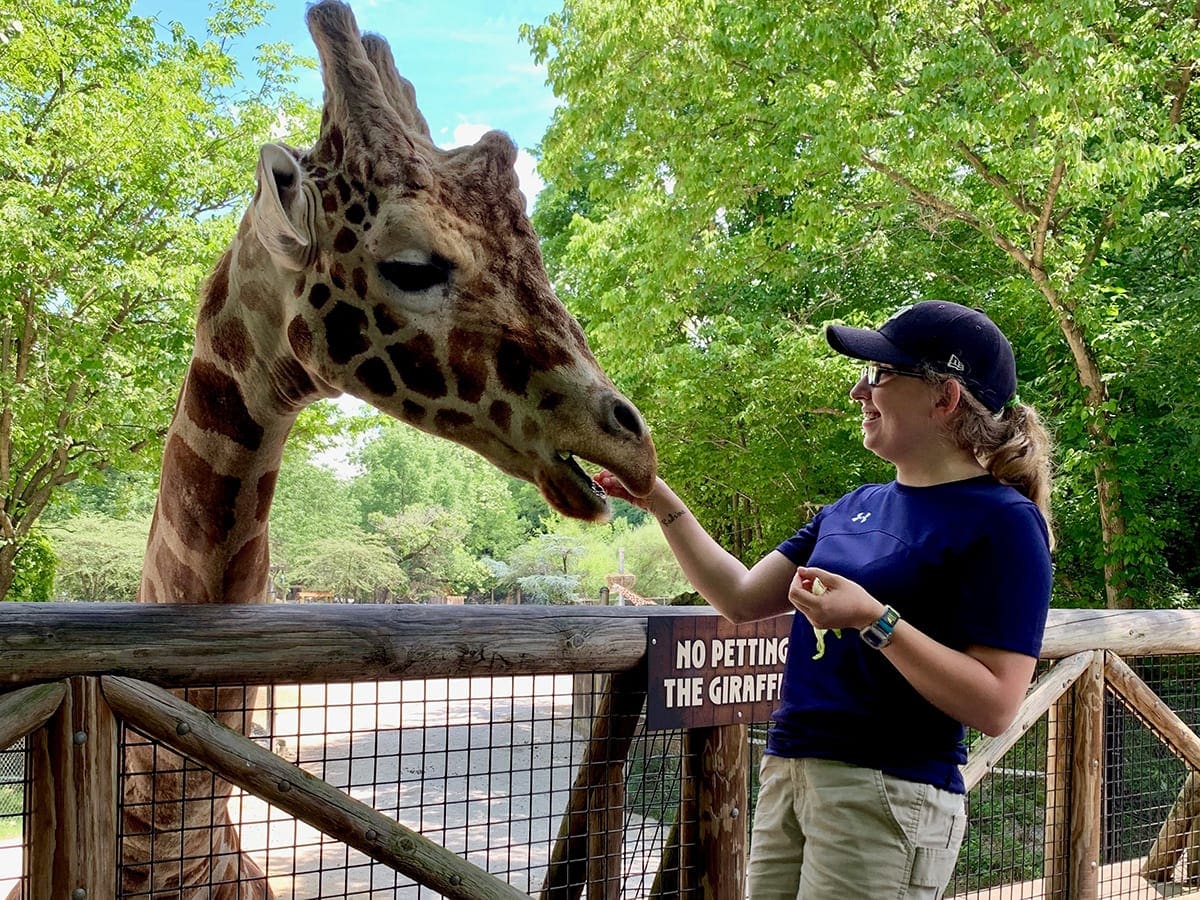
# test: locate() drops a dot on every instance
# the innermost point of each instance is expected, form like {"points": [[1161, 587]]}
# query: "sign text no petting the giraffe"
{"points": [[704, 670]]}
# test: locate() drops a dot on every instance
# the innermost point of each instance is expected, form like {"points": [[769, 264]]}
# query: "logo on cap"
{"points": [[955, 363]]}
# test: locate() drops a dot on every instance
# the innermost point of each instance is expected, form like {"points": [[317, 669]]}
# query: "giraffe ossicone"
{"points": [[409, 276]]}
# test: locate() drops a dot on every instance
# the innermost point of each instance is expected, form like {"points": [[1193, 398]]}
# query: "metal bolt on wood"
{"points": [[182, 728], [80, 738]]}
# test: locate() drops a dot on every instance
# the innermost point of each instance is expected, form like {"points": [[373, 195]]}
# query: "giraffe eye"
{"points": [[413, 277]]}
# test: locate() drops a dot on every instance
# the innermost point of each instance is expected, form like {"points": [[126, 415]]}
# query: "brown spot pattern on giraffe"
{"points": [[513, 367], [359, 279], [376, 378], [417, 363], [197, 500], [345, 241], [469, 363], [243, 581], [501, 413], [216, 289], [387, 321], [231, 341], [266, 490], [214, 401], [300, 337], [452, 419], [412, 412], [180, 583], [337, 274], [344, 332], [319, 295]]}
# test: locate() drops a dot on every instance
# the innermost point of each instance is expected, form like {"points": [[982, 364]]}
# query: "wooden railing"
{"points": [[74, 669]]}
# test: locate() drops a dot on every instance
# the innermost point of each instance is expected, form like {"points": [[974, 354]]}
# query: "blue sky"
{"points": [[470, 69]]}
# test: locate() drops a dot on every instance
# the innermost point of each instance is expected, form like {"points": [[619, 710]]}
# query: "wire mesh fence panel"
{"points": [[488, 767], [14, 786], [1152, 798], [1006, 838], [482, 766]]}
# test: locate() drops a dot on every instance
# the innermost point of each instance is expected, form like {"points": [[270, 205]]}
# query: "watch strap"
{"points": [[879, 633]]}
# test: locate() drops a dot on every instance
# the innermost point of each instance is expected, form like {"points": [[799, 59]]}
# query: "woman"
{"points": [[945, 575]]}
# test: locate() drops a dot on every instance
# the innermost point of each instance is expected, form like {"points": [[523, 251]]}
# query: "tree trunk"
{"points": [[8, 553]]}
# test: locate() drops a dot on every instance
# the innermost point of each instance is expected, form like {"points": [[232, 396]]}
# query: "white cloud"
{"points": [[526, 166]]}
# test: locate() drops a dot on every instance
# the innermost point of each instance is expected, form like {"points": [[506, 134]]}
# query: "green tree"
{"points": [[353, 566], [428, 543], [125, 147], [33, 568], [99, 557], [404, 468], [783, 165]]}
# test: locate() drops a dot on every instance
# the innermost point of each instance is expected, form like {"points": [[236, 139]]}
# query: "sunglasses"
{"points": [[875, 371]]}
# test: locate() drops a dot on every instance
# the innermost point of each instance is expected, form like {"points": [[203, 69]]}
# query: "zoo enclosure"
{"points": [[106, 651]]}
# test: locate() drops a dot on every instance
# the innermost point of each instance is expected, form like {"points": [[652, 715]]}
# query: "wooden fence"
{"points": [[73, 669]]}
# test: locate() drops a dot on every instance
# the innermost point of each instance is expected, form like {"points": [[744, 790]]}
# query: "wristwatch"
{"points": [[879, 633]]}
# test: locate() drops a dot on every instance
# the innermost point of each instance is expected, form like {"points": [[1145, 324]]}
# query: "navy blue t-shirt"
{"points": [[967, 562]]}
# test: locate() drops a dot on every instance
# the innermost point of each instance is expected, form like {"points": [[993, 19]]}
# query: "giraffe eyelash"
{"points": [[413, 277]]}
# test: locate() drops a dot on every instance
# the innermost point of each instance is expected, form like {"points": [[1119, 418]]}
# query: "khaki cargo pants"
{"points": [[825, 830]]}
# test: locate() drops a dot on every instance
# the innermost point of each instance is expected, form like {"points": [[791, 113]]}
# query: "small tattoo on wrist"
{"points": [[671, 517]]}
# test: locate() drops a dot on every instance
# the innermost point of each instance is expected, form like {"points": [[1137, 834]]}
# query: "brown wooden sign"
{"points": [[704, 670]]}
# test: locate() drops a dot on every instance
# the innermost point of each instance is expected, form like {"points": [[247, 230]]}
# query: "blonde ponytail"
{"points": [[1013, 445]]}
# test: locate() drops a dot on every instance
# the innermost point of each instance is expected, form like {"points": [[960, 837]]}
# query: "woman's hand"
{"points": [[842, 603], [613, 487]]}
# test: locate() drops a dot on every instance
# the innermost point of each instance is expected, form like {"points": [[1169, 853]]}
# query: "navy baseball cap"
{"points": [[951, 339]]}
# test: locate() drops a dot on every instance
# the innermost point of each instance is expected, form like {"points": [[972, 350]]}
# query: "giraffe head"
{"points": [[412, 279]]}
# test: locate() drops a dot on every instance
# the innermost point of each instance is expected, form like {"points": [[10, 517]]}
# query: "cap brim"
{"points": [[867, 345]]}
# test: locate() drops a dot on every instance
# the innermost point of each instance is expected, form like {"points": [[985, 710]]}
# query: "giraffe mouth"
{"points": [[571, 491]]}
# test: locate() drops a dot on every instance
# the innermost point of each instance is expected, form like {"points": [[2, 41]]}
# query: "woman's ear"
{"points": [[951, 396]]}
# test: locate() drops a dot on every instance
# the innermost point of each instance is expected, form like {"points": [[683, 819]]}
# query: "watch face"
{"points": [[879, 634]]}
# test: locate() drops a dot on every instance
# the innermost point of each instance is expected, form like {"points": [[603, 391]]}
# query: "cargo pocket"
{"points": [[933, 866]]}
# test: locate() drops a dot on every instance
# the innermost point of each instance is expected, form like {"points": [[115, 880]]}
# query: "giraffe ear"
{"points": [[283, 210]]}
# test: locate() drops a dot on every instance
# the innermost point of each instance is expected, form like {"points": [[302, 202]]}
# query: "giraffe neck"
{"points": [[208, 539]]}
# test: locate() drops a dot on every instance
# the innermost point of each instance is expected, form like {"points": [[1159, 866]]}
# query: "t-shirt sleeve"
{"points": [[798, 548], [1009, 580]]}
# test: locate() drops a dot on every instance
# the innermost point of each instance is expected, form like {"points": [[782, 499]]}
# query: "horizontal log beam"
{"points": [[1126, 632], [187, 730], [181, 645]]}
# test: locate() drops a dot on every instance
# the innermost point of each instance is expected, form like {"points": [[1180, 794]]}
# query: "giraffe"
{"points": [[378, 265]]}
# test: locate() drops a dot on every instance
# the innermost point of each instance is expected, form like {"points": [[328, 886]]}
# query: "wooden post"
{"points": [[1087, 782], [713, 813], [72, 842], [592, 832], [1058, 796]]}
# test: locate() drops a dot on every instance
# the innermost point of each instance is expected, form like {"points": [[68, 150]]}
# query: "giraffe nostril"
{"points": [[625, 417]]}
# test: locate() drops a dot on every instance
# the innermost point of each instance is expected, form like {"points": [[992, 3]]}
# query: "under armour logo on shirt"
{"points": [[860, 517]]}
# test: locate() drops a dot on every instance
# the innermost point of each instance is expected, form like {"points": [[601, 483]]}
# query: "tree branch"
{"points": [[1043, 223], [998, 181]]}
